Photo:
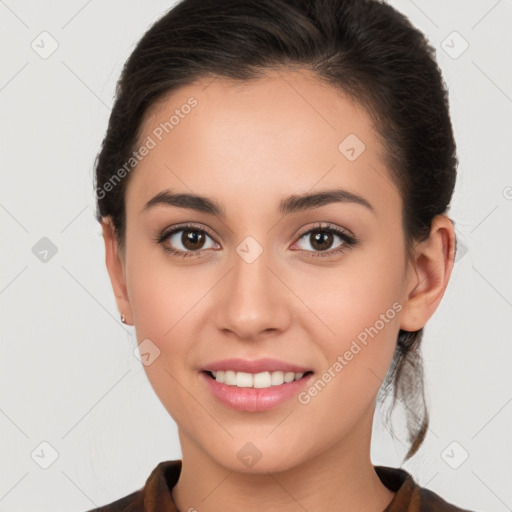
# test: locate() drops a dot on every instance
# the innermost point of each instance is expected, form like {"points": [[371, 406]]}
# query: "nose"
{"points": [[252, 300]]}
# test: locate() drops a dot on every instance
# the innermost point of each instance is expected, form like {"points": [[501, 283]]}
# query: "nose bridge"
{"points": [[252, 301]]}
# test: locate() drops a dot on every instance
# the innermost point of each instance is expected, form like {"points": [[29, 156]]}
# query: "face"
{"points": [[259, 271]]}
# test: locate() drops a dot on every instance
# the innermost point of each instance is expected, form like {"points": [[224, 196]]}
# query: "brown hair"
{"points": [[363, 47]]}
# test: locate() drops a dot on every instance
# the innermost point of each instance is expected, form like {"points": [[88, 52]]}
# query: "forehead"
{"points": [[285, 133]]}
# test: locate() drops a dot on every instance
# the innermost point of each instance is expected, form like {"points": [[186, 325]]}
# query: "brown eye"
{"points": [[192, 239], [321, 240], [187, 240], [326, 241]]}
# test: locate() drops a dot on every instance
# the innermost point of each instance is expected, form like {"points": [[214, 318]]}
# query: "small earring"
{"points": [[123, 319]]}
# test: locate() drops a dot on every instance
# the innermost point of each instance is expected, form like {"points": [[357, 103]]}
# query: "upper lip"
{"points": [[255, 365]]}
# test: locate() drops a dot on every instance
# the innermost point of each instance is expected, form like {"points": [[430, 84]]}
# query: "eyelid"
{"points": [[325, 225], [187, 225]]}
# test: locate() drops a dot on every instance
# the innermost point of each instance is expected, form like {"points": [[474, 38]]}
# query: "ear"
{"points": [[428, 274], [114, 259]]}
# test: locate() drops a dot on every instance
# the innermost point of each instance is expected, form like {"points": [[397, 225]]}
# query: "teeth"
{"points": [[258, 380]]}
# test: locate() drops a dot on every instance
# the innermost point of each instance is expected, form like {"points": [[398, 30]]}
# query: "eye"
{"points": [[186, 240], [190, 240], [326, 241]]}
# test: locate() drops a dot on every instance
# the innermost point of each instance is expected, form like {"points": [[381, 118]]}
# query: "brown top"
{"points": [[156, 495]]}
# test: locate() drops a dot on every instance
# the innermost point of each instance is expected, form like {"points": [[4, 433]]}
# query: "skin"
{"points": [[248, 146]]}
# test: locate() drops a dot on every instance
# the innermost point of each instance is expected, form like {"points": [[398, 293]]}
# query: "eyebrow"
{"points": [[291, 204]]}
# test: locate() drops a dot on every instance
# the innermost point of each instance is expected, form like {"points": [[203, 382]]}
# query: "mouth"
{"points": [[255, 392], [261, 380]]}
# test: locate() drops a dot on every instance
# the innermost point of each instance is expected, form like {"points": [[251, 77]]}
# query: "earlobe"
{"points": [[114, 261], [428, 274]]}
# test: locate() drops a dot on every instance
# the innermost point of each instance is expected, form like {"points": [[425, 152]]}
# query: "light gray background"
{"points": [[68, 373]]}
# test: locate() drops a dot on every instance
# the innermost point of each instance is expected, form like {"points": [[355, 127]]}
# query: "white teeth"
{"points": [[277, 378], [258, 380], [289, 377], [243, 380], [229, 378], [262, 380]]}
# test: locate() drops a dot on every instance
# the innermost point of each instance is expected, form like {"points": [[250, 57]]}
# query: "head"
{"points": [[253, 104]]}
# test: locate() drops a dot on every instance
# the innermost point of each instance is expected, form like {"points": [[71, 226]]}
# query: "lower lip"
{"points": [[254, 399]]}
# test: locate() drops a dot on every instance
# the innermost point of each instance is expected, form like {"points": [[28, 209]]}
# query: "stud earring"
{"points": [[123, 319]]}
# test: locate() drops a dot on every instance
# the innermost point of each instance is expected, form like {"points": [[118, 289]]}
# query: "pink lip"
{"points": [[255, 366], [254, 399]]}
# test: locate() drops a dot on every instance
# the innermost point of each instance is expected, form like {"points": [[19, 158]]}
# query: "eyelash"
{"points": [[349, 240]]}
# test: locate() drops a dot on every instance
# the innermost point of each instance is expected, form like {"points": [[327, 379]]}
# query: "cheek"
{"points": [[162, 295], [363, 291], [356, 359], [355, 321], [164, 301], [166, 305]]}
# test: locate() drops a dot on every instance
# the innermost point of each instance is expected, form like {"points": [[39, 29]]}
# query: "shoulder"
{"points": [[430, 501], [410, 497]]}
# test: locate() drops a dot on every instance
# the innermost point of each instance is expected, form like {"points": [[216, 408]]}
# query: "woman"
{"points": [[273, 189]]}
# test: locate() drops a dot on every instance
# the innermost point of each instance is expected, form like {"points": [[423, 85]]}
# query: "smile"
{"points": [[254, 392], [254, 380]]}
